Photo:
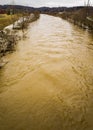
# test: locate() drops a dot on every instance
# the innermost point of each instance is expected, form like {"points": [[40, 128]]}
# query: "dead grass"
{"points": [[6, 20]]}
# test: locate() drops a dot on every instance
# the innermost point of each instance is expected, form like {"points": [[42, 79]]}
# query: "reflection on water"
{"points": [[48, 82]]}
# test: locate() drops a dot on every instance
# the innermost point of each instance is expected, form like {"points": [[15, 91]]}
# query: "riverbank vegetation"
{"points": [[82, 17], [6, 19], [9, 33], [25, 19]]}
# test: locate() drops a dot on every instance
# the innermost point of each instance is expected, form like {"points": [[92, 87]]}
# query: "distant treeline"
{"points": [[6, 8]]}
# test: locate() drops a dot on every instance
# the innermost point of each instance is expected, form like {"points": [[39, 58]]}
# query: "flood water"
{"points": [[48, 82]]}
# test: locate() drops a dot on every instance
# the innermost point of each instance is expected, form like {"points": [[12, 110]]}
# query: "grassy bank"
{"points": [[6, 20]]}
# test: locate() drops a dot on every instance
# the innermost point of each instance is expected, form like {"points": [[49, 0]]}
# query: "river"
{"points": [[47, 83]]}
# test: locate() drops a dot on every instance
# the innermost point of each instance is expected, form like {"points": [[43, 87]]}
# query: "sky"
{"points": [[49, 3]]}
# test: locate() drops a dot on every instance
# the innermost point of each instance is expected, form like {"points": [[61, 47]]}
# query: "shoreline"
{"points": [[10, 36], [82, 18]]}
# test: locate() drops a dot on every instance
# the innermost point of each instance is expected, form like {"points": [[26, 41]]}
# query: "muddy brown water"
{"points": [[48, 82]]}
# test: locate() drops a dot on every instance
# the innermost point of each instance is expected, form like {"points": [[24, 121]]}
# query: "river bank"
{"points": [[82, 17], [6, 20], [10, 36]]}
